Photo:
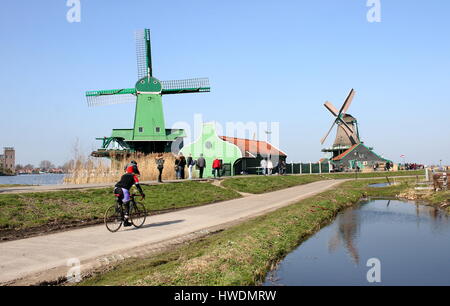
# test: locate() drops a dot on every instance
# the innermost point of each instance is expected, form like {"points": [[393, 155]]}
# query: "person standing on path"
{"points": [[201, 164], [182, 165], [263, 166], [190, 163], [269, 167], [177, 167], [216, 167], [160, 166]]}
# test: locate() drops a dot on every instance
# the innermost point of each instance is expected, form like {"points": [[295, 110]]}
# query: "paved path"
{"points": [[23, 258]]}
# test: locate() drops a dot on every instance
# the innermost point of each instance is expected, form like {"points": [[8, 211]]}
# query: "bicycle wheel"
{"points": [[113, 219], [138, 214]]}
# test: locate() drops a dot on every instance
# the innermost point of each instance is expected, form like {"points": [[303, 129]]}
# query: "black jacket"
{"points": [[127, 181]]}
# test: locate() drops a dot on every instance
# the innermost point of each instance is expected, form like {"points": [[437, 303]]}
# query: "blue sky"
{"points": [[266, 60]]}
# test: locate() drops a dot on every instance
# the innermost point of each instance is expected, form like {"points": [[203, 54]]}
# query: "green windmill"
{"points": [[149, 134]]}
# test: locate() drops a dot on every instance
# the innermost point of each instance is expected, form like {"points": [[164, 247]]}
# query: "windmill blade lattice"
{"points": [[184, 86], [142, 53], [108, 97]]}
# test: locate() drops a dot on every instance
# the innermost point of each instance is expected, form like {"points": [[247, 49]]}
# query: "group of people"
{"points": [[413, 166], [181, 163], [267, 168]]}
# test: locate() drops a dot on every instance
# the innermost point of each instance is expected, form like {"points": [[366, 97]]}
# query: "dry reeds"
{"points": [[101, 170]]}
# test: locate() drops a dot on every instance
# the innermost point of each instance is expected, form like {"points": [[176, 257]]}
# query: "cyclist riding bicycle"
{"points": [[122, 190]]}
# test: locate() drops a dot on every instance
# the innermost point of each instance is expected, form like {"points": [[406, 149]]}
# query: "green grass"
{"points": [[375, 174], [439, 198], [241, 255], [27, 210], [261, 184]]}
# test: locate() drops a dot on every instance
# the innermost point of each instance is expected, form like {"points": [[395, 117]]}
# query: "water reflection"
{"points": [[411, 241], [347, 233]]}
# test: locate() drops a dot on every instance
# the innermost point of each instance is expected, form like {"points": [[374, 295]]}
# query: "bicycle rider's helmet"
{"points": [[133, 162]]}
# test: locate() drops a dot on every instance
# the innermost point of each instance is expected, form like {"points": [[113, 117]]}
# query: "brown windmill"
{"points": [[347, 127]]}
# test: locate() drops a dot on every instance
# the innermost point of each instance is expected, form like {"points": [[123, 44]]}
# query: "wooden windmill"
{"points": [[149, 134], [347, 133]]}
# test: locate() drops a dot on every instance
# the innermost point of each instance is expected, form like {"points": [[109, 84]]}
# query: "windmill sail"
{"points": [[346, 133], [143, 53], [113, 96], [185, 86]]}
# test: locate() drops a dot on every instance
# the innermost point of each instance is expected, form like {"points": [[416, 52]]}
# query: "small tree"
{"points": [[45, 165], [68, 165], [28, 167]]}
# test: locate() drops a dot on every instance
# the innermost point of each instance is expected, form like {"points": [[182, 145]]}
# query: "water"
{"points": [[412, 243], [33, 179], [380, 185]]}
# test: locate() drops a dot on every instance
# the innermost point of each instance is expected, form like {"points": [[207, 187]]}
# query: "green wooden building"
{"points": [[238, 155]]}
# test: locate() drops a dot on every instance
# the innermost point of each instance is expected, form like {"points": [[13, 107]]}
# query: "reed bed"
{"points": [[91, 170]]}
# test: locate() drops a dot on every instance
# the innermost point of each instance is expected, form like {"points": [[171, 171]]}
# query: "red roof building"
{"points": [[253, 148]]}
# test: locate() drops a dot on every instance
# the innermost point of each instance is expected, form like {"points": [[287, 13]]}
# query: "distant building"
{"points": [[358, 156], [8, 160]]}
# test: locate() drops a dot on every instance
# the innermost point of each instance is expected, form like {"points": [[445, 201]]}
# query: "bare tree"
{"points": [[46, 165], [28, 167], [68, 165]]}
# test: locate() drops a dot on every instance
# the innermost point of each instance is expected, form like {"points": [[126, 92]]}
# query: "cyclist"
{"points": [[122, 189], [132, 168]]}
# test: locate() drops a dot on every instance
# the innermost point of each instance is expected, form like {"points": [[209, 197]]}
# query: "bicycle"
{"points": [[114, 215]]}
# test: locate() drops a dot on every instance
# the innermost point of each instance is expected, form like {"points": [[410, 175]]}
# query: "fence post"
{"points": [[310, 168], [292, 167], [329, 167], [301, 166], [320, 168]]}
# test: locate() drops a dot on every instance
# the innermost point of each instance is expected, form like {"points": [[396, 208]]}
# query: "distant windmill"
{"points": [[348, 151], [347, 125], [149, 133]]}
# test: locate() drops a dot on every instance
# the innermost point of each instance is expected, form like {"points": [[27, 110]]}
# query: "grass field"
{"points": [[261, 184], [242, 255], [27, 210], [375, 174]]}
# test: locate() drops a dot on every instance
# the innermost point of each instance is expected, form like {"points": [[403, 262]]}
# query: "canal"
{"points": [[410, 242]]}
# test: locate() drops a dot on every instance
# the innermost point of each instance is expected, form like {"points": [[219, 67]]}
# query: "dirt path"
{"points": [[46, 258], [65, 187]]}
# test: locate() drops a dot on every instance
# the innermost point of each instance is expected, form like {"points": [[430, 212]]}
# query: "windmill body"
{"points": [[149, 133], [342, 137]]}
